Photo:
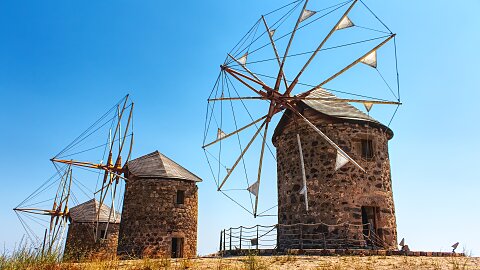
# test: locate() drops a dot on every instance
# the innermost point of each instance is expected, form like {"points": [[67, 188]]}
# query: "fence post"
{"points": [[241, 237], [301, 236], [224, 240], [258, 240], [230, 238], [221, 240]]}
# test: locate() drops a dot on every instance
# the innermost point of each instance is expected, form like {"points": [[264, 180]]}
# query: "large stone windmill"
{"points": [[333, 171]]}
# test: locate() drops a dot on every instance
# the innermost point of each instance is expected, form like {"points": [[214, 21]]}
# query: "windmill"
{"points": [[101, 152], [263, 76], [32, 209], [107, 160]]}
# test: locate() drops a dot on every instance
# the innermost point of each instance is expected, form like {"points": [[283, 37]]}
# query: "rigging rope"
{"points": [[240, 145]]}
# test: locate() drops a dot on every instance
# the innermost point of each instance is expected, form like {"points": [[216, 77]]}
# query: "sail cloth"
{"points": [[307, 14], [220, 134], [341, 161], [254, 188], [272, 32], [243, 60], [368, 106], [370, 59], [344, 23]]}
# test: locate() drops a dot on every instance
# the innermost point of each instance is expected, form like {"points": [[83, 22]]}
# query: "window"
{"points": [[102, 234], [367, 149], [180, 196]]}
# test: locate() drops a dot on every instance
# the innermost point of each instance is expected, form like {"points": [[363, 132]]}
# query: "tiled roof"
{"points": [[87, 212], [157, 165]]}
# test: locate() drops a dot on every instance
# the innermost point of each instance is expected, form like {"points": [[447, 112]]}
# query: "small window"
{"points": [[367, 149], [102, 234], [180, 196]]}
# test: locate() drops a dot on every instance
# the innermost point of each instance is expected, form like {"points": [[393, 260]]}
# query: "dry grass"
{"points": [[28, 259]]}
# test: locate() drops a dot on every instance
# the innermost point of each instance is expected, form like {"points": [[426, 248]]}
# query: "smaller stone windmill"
{"points": [[82, 237], [160, 209]]}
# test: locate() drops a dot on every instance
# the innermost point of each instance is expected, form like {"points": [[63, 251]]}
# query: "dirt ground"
{"points": [[308, 262]]}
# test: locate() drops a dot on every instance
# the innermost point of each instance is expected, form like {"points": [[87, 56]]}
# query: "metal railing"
{"points": [[301, 236]]}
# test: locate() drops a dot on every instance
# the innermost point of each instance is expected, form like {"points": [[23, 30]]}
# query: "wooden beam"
{"points": [[241, 155], [343, 100], [237, 98], [302, 166], [347, 67], [326, 138], [295, 81], [275, 51], [235, 132], [277, 83], [260, 165]]}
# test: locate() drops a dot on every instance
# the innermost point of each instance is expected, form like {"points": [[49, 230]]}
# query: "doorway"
{"points": [[369, 221], [177, 247]]}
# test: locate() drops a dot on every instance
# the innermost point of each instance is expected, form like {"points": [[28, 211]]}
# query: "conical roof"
{"points": [[339, 110], [87, 212], [157, 165], [335, 109]]}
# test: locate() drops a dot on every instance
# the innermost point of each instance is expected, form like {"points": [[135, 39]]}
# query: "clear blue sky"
{"points": [[63, 63]]}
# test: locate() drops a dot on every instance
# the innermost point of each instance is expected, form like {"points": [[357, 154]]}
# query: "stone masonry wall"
{"points": [[335, 197], [151, 218], [81, 244]]}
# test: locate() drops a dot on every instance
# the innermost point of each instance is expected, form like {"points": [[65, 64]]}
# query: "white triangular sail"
{"points": [[243, 60], [304, 177], [307, 14], [370, 59], [344, 23], [272, 32], [220, 134], [304, 190], [254, 188], [368, 106], [341, 161], [228, 170]]}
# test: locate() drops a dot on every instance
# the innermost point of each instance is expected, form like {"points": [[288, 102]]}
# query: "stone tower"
{"points": [[347, 207], [84, 240], [160, 209]]}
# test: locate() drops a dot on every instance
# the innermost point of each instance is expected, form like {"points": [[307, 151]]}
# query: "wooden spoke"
{"points": [[39, 211], [117, 163], [129, 152], [260, 167], [275, 51], [242, 154], [343, 100], [295, 81], [280, 72], [237, 76], [236, 131], [347, 67], [302, 166], [237, 98], [117, 128], [326, 138]]}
